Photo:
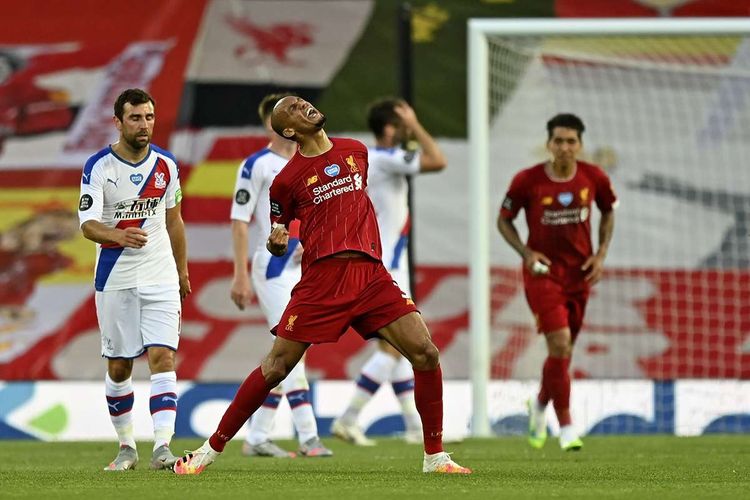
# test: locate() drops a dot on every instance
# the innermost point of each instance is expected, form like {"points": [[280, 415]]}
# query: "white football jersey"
{"points": [[252, 205], [121, 194], [388, 190]]}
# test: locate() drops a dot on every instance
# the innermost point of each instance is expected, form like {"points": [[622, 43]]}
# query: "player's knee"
{"points": [[119, 372], [274, 370], [560, 346], [427, 357], [161, 361]]}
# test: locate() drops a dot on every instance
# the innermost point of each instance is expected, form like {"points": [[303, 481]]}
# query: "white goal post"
{"points": [[483, 204]]}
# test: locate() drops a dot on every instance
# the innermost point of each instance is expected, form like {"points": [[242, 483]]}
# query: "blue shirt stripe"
{"points": [[247, 165], [400, 246], [89, 166], [107, 259], [277, 264]]}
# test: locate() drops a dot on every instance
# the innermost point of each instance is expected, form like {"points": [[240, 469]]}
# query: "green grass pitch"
{"points": [[660, 467]]}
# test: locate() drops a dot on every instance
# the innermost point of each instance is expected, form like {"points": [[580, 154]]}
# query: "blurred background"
{"points": [[207, 63]]}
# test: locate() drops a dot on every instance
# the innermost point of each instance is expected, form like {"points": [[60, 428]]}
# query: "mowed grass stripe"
{"points": [[608, 467]]}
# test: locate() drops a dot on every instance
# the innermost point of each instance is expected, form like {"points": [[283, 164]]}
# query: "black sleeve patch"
{"points": [[276, 209], [85, 202], [508, 203], [242, 197]]}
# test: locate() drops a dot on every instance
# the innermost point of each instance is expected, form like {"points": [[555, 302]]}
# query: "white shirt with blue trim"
{"points": [[251, 204], [389, 191], [121, 194]]}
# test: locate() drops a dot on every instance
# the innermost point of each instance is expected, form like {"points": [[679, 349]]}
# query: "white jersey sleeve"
{"points": [[173, 196], [91, 202], [247, 188], [398, 161]]}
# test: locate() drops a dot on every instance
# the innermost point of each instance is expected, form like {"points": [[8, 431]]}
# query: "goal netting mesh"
{"points": [[668, 117]]}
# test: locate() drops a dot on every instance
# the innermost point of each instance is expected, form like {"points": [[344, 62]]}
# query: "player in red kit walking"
{"points": [[559, 264], [344, 282]]}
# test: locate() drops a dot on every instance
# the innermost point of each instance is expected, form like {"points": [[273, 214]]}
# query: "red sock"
{"points": [[543, 397], [556, 386], [428, 396], [249, 397]]}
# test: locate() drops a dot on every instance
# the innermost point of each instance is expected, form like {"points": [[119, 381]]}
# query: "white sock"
{"points": [[163, 406], [376, 371], [261, 423], [120, 400], [568, 433], [297, 392], [402, 381], [540, 417]]}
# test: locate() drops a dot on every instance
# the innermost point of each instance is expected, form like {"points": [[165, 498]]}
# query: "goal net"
{"points": [[666, 105]]}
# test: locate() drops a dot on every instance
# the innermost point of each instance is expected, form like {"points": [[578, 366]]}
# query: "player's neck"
{"points": [[282, 147], [561, 171], [124, 151], [315, 145]]}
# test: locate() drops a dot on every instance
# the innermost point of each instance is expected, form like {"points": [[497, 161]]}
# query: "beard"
{"points": [[321, 120], [134, 141]]}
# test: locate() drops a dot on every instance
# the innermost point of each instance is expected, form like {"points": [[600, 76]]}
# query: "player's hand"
{"points": [[131, 237], [185, 288], [536, 262], [595, 266], [241, 292], [406, 113], [278, 240]]}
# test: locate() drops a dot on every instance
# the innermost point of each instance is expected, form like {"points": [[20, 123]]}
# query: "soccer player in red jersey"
{"points": [[559, 264], [344, 282]]}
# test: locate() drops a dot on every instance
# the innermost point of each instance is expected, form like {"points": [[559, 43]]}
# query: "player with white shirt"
{"points": [[272, 279], [394, 124], [130, 206]]}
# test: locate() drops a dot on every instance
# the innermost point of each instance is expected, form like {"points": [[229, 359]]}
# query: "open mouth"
{"points": [[311, 112]]}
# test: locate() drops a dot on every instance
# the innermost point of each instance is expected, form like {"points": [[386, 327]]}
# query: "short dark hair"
{"points": [[134, 97], [381, 113], [265, 108], [565, 120]]}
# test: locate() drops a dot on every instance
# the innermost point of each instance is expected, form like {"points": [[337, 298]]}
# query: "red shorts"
{"points": [[556, 304], [335, 294]]}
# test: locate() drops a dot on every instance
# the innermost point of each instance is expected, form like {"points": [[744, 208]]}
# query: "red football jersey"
{"points": [[327, 194], [558, 212]]}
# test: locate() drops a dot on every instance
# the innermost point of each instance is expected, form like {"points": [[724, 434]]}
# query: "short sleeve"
{"points": [[606, 199], [247, 188], [399, 161], [516, 198], [173, 196], [91, 201], [282, 202]]}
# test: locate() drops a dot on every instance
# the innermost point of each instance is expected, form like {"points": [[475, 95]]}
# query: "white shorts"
{"points": [[135, 319], [274, 294]]}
